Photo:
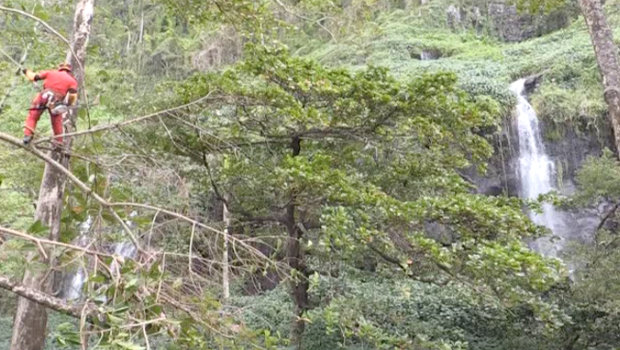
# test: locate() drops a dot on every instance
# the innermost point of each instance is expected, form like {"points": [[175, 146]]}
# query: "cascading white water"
{"points": [[75, 281], [536, 171], [72, 288], [124, 249]]}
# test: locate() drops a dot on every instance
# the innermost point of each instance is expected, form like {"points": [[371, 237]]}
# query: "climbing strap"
{"points": [[53, 101]]}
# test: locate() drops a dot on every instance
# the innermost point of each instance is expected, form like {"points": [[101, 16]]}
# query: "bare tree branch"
{"points": [[316, 21], [47, 300], [126, 122], [26, 14], [15, 79], [43, 241], [110, 206], [49, 27], [609, 215], [16, 142]]}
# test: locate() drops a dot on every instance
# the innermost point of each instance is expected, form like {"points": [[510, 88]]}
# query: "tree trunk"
{"points": [[49, 301], [29, 327], [606, 57], [225, 267], [296, 262]]}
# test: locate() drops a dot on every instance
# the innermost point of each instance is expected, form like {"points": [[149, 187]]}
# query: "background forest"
{"points": [[308, 174]]}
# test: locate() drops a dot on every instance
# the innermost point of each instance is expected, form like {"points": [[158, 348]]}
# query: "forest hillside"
{"points": [[308, 174]]}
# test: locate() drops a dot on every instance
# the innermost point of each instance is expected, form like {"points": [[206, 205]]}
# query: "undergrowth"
{"points": [[570, 92]]}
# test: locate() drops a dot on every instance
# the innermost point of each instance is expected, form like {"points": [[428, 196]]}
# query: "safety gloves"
{"points": [[29, 74], [72, 98]]}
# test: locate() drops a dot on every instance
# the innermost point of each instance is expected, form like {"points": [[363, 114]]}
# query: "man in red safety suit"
{"points": [[59, 90]]}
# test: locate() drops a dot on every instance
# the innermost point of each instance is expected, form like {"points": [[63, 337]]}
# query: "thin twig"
{"points": [[43, 241], [317, 22], [87, 190], [15, 79], [110, 205], [126, 122], [50, 28], [609, 215]]}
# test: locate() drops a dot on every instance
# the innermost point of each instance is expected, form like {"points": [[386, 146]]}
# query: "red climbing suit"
{"points": [[57, 84]]}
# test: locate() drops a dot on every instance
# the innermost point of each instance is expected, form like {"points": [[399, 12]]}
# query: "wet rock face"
{"points": [[505, 22], [568, 152], [508, 24], [511, 26], [453, 16], [427, 55]]}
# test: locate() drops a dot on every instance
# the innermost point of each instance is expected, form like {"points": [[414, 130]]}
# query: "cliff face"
{"points": [[569, 147], [488, 45], [568, 152], [504, 21]]}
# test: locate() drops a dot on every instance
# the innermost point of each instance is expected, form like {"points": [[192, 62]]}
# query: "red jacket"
{"points": [[60, 82]]}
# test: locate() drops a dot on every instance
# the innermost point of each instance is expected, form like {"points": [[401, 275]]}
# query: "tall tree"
{"points": [[31, 318], [335, 163], [607, 58]]}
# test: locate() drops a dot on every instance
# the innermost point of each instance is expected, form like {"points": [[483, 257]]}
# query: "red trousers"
{"points": [[37, 108]]}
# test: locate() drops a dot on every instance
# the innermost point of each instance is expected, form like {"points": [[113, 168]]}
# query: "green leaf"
{"points": [[127, 345], [38, 228], [132, 282], [97, 279], [114, 319]]}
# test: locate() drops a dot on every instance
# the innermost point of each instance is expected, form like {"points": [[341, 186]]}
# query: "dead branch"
{"points": [[607, 217], [87, 190], [49, 301], [315, 21], [110, 205], [26, 14], [50, 28], [249, 248], [15, 79], [43, 241], [126, 122]]}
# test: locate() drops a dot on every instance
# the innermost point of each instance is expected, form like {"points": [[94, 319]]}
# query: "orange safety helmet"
{"points": [[65, 67]]}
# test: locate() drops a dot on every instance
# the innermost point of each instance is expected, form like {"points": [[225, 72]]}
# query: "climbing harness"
{"points": [[59, 109], [54, 103], [52, 100]]}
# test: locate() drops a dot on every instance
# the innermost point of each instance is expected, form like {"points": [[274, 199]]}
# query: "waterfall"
{"points": [[73, 288], [536, 171], [74, 281], [124, 249]]}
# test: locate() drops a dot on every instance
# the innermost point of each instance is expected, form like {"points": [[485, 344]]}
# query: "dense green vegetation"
{"points": [[341, 156]]}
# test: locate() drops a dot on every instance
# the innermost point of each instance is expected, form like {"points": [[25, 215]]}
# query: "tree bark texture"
{"points": [[30, 323], [46, 300], [607, 59], [225, 267], [296, 261]]}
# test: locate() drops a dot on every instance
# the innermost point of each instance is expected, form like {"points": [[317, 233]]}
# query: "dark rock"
{"points": [[511, 26], [431, 54], [506, 23], [533, 82], [425, 54], [440, 233], [568, 153], [453, 16], [501, 175]]}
